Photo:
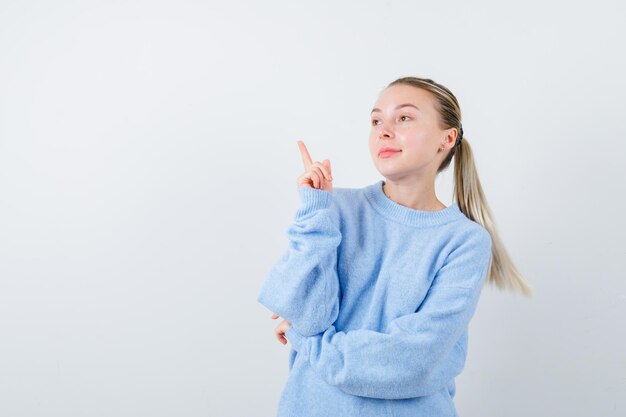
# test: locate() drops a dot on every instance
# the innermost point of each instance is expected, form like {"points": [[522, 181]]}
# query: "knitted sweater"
{"points": [[379, 297]]}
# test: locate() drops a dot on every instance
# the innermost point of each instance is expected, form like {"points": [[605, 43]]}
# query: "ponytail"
{"points": [[469, 195]]}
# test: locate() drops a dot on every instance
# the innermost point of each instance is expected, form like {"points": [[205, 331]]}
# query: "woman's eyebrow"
{"points": [[397, 107]]}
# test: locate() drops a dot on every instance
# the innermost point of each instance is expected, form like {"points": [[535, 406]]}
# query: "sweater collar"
{"points": [[399, 213]]}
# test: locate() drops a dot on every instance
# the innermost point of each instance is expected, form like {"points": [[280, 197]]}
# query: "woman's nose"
{"points": [[385, 132]]}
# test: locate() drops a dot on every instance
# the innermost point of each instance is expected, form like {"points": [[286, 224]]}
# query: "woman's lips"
{"points": [[387, 154]]}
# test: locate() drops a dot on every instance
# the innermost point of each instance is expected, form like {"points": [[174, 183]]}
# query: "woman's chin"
{"points": [[390, 174]]}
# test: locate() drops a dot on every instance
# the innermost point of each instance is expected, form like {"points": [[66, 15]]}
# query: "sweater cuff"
{"points": [[312, 199], [298, 341]]}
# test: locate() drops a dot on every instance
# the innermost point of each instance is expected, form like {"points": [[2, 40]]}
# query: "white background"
{"points": [[148, 161]]}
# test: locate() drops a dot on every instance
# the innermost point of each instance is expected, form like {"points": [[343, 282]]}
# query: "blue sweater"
{"points": [[379, 297]]}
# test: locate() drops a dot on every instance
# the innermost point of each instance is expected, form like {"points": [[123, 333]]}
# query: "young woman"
{"points": [[379, 284]]}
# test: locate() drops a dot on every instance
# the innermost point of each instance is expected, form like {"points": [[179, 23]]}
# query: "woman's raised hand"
{"points": [[316, 174]]}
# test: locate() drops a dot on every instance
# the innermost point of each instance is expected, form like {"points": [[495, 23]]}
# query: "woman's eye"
{"points": [[374, 122], [403, 117]]}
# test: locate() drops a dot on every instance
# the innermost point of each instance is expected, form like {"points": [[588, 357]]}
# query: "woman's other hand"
{"points": [[281, 329], [316, 174]]}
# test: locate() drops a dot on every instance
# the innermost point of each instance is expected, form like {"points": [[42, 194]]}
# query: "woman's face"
{"points": [[404, 118]]}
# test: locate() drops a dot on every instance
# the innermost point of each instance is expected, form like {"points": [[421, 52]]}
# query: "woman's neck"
{"points": [[415, 196]]}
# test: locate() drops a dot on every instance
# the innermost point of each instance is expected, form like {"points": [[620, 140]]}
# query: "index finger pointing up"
{"points": [[306, 158]]}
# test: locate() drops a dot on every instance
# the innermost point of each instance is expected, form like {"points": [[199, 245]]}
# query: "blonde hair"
{"points": [[468, 193]]}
